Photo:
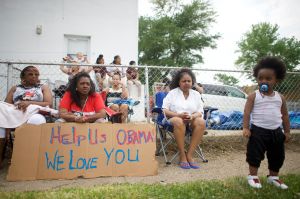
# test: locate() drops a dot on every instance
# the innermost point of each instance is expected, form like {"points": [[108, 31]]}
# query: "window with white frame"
{"points": [[77, 43]]}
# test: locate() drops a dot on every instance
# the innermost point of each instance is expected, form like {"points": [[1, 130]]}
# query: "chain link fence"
{"points": [[226, 101], [229, 101]]}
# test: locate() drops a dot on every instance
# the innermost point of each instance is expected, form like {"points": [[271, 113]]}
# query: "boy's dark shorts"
{"points": [[265, 140]]}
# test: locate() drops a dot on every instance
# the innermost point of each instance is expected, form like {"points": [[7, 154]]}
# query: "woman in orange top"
{"points": [[81, 103]]}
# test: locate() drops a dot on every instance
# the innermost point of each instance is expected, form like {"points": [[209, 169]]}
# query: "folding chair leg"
{"points": [[198, 151], [161, 144], [128, 118], [201, 155], [168, 142], [174, 156], [2, 149]]}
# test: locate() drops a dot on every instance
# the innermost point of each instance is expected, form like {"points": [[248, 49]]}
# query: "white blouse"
{"points": [[176, 102]]}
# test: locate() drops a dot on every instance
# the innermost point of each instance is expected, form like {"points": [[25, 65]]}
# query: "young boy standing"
{"points": [[268, 112]]}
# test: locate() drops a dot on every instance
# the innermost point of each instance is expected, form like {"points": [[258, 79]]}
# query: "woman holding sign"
{"points": [[22, 104], [81, 103]]}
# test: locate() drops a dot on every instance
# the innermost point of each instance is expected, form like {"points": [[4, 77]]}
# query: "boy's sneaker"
{"points": [[274, 180], [254, 181]]}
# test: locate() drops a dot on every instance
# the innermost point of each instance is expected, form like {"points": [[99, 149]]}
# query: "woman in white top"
{"points": [[183, 106]]}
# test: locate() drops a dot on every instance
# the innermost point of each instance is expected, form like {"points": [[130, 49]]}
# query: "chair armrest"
{"points": [[157, 110]]}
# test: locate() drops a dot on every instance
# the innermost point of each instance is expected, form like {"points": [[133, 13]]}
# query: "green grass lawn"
{"points": [[231, 188]]}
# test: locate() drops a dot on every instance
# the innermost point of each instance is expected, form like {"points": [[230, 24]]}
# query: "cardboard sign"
{"points": [[70, 150]]}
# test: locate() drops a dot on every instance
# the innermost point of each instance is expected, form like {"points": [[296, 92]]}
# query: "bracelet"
{"points": [[76, 118], [85, 118]]}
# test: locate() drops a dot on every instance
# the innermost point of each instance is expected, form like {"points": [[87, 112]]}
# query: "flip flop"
{"points": [[194, 165], [184, 165]]}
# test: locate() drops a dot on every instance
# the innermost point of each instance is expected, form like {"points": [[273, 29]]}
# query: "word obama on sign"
{"points": [[70, 150]]}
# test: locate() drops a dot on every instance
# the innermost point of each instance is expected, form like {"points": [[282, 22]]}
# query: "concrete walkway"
{"points": [[226, 155]]}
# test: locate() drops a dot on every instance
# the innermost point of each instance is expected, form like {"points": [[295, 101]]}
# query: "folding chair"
{"points": [[129, 102], [164, 130], [114, 117], [59, 91]]}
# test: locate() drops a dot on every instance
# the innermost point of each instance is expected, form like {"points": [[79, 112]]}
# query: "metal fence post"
{"points": [[147, 94], [9, 76]]}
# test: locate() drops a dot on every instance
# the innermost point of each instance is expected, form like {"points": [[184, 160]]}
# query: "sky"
{"points": [[235, 17]]}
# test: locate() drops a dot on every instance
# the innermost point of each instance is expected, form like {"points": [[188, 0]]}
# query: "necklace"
{"points": [[84, 105]]}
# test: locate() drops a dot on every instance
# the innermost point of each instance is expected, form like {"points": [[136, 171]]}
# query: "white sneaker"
{"points": [[274, 180], [254, 181]]}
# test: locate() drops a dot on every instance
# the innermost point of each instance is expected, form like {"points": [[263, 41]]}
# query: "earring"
{"points": [[76, 89]]}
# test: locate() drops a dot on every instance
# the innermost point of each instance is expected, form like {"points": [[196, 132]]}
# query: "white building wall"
{"points": [[111, 24]]}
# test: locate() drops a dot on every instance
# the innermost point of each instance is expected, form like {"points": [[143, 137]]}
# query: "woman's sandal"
{"points": [[184, 165], [194, 165]]}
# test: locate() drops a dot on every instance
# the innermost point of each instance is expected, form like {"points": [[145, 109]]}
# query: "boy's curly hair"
{"points": [[273, 63]]}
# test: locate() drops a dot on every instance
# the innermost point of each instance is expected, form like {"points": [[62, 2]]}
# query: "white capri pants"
{"points": [[34, 119]]}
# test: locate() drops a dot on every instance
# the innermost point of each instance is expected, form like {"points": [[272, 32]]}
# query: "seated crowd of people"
{"points": [[113, 83], [81, 101], [102, 74]]}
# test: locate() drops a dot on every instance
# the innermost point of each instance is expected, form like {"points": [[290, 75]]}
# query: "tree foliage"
{"points": [[264, 40], [177, 34], [226, 79]]}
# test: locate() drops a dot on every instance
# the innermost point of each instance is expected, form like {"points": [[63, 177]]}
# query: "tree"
{"points": [[177, 35], [264, 40], [226, 79]]}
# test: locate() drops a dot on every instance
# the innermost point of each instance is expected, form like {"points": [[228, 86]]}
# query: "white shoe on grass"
{"points": [[254, 181], [274, 180]]}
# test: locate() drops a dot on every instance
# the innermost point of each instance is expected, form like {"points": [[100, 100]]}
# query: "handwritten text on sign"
{"points": [[70, 150], [94, 137]]}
